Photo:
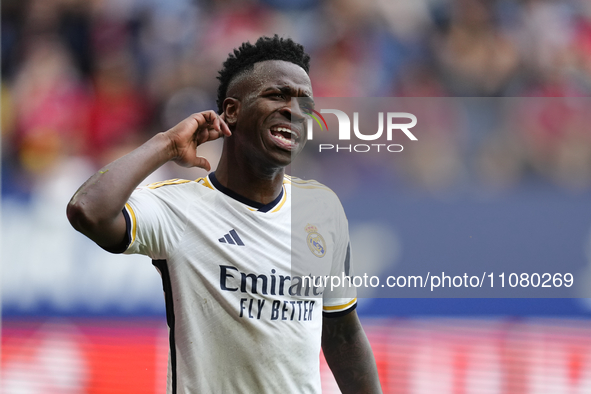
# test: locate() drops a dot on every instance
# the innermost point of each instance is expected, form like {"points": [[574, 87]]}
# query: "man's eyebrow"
{"points": [[287, 90]]}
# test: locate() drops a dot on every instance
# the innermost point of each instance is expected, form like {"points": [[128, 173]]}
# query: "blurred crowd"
{"points": [[91, 79]]}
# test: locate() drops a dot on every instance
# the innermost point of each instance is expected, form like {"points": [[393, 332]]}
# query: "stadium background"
{"points": [[86, 81]]}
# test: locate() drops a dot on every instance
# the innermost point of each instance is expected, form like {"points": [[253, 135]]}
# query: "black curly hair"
{"points": [[266, 48]]}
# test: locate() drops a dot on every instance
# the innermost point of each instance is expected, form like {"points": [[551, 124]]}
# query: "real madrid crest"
{"points": [[315, 241]]}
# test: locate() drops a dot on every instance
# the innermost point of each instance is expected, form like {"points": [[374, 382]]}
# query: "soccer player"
{"points": [[229, 246]]}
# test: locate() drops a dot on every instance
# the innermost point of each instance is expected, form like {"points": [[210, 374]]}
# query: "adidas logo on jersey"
{"points": [[231, 238]]}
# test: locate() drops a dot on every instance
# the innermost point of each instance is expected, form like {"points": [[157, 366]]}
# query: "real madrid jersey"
{"points": [[243, 310]]}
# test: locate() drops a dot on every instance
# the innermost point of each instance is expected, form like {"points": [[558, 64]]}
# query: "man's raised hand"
{"points": [[193, 131]]}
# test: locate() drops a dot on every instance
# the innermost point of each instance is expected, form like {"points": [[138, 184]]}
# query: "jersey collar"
{"points": [[254, 204]]}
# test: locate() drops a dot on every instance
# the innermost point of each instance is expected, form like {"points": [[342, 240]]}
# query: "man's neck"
{"points": [[262, 186]]}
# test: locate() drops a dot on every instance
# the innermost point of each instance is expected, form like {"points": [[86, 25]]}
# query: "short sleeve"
{"points": [[340, 300], [156, 220]]}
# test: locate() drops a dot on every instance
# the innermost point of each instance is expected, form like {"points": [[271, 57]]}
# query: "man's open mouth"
{"points": [[285, 136]]}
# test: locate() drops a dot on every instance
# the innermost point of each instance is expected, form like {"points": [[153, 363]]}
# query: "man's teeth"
{"points": [[279, 136], [283, 129]]}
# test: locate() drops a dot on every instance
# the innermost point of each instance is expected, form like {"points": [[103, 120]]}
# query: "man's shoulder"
{"points": [[311, 191], [176, 187], [177, 182], [306, 184]]}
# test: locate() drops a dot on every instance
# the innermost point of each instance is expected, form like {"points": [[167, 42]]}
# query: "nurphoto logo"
{"points": [[395, 122]]}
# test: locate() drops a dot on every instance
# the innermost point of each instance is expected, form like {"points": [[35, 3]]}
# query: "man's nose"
{"points": [[294, 112]]}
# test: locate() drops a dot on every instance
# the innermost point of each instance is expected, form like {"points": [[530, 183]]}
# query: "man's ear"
{"points": [[231, 108]]}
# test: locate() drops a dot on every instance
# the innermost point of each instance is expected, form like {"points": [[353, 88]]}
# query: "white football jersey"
{"points": [[243, 313]]}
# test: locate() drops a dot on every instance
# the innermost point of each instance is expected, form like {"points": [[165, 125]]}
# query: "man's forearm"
{"points": [[100, 200], [349, 355], [95, 209]]}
